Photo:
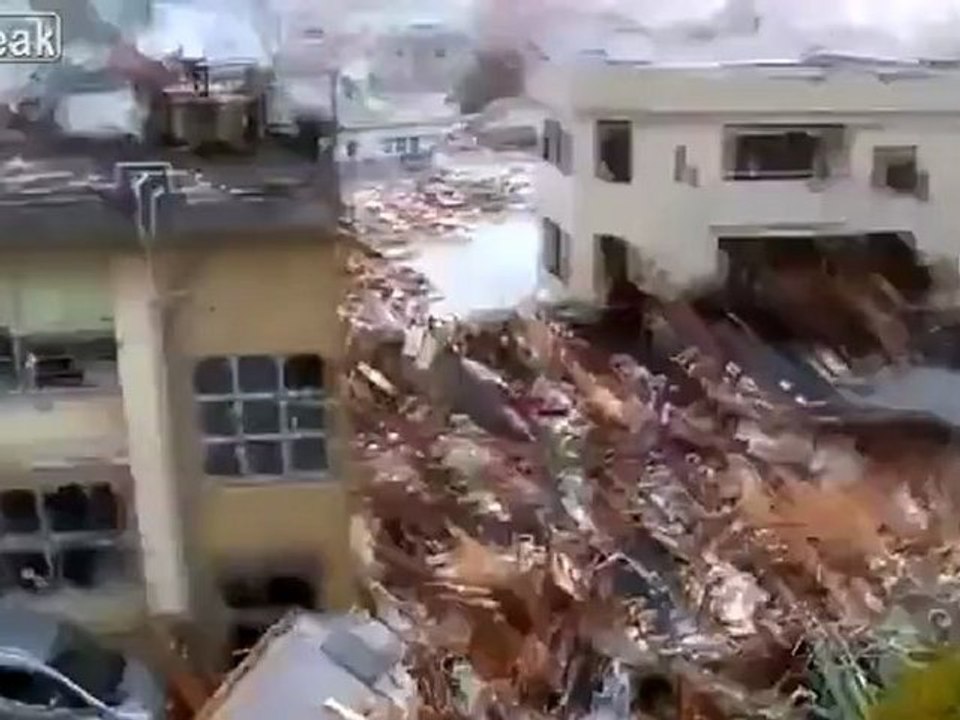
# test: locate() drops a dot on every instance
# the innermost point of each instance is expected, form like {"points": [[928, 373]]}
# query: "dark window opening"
{"points": [[18, 511], [303, 372], [218, 419], [90, 567], [305, 416], [614, 254], [896, 168], [554, 250], [264, 458], [440, 53], [309, 454], [261, 417], [213, 376], [787, 155], [614, 151], [257, 374], [291, 591], [221, 460], [352, 149], [557, 146], [75, 508]]}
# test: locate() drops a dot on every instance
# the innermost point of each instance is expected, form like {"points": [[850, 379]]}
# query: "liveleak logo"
{"points": [[30, 37]]}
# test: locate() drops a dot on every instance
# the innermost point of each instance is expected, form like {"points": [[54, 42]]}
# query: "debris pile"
{"points": [[566, 533], [448, 202]]}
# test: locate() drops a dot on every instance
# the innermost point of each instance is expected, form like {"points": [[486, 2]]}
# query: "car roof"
{"points": [[24, 632]]}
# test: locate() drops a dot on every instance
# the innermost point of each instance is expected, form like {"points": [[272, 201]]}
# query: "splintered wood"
{"points": [[694, 523]]}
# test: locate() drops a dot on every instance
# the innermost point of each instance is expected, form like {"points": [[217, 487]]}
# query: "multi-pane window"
{"points": [[262, 415], [71, 535]]}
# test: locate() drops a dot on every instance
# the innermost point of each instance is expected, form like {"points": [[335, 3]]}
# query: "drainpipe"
{"points": [[143, 364]]}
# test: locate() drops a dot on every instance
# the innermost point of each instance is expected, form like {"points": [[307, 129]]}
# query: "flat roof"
{"points": [[71, 197]]}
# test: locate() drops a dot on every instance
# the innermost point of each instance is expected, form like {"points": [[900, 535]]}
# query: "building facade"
{"points": [[168, 422], [658, 171]]}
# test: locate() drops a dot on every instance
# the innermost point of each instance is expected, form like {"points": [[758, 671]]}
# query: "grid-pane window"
{"points": [[72, 535], [262, 415]]}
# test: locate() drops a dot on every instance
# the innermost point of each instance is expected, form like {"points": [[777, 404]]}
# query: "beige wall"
{"points": [[277, 297], [64, 291]]}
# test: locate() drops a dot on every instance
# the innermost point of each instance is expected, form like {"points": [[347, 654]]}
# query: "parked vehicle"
{"points": [[50, 668]]}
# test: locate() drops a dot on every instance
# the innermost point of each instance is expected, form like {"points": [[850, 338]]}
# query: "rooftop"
{"points": [[204, 195], [610, 40]]}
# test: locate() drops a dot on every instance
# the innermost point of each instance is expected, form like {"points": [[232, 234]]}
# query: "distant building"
{"points": [[421, 57], [674, 162]]}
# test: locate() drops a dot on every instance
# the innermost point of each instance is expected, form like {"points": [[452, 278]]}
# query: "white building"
{"points": [[662, 164]]}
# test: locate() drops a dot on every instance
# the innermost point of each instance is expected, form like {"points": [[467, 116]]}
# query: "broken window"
{"points": [[896, 168], [262, 415], [71, 534], [557, 146], [555, 250], [63, 361], [257, 595], [776, 154], [614, 258], [614, 151]]}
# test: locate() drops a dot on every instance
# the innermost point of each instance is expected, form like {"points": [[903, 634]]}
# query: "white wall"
{"points": [[676, 225], [370, 141]]}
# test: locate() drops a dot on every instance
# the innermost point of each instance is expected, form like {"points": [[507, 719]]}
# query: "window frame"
{"points": [[555, 250], [53, 544], [286, 436]]}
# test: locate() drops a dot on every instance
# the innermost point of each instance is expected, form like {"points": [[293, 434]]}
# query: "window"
{"points": [[896, 168], [401, 145], [262, 415], [414, 145], [557, 146], [387, 146], [680, 164], [555, 250], [352, 149], [614, 258], [775, 154], [68, 535], [440, 53], [614, 151], [258, 594]]}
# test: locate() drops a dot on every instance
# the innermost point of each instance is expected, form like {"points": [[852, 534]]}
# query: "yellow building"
{"points": [[168, 428]]}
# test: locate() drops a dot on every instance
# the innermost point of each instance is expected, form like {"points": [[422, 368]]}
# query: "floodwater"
{"points": [[495, 267]]}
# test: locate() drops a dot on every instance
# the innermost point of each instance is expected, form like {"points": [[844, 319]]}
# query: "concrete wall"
{"points": [[272, 298], [370, 141], [676, 225], [55, 292]]}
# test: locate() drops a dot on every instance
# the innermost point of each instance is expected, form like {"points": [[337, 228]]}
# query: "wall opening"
{"points": [[614, 151], [770, 152]]}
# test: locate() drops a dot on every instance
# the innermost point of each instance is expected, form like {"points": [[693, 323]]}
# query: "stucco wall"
{"points": [[271, 298], [55, 292], [676, 225]]}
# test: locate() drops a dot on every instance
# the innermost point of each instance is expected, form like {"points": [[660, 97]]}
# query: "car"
{"points": [[51, 668]]}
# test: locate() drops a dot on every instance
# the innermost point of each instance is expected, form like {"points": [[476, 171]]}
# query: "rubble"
{"points": [[570, 533], [448, 203]]}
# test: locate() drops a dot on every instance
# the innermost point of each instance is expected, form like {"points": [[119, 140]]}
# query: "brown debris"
{"points": [[612, 528]]}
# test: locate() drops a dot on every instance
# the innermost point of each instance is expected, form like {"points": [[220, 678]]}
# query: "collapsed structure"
{"points": [[573, 524]]}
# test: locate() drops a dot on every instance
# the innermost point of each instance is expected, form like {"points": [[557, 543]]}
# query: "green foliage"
{"points": [[931, 692]]}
